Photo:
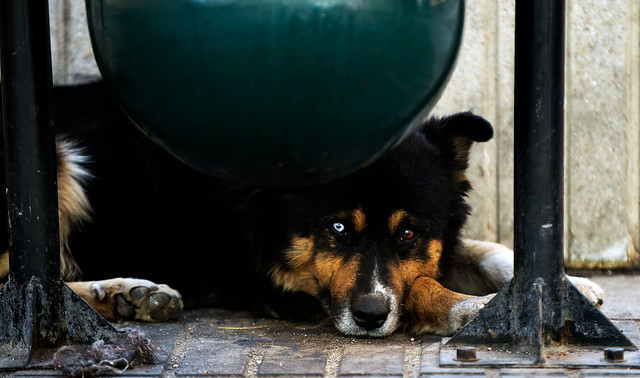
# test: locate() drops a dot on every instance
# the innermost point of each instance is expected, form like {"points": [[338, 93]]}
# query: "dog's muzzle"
{"points": [[370, 311], [374, 315]]}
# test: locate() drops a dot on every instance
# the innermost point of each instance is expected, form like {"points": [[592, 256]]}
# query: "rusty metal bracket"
{"points": [[508, 336], [29, 332], [539, 309], [564, 356], [37, 310]]}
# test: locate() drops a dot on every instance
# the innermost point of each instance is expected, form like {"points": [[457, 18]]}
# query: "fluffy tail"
{"points": [[73, 205]]}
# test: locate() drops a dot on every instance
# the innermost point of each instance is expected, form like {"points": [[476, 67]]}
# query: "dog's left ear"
{"points": [[457, 133]]}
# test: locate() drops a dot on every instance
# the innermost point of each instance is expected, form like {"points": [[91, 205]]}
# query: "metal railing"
{"points": [[539, 308], [37, 310]]}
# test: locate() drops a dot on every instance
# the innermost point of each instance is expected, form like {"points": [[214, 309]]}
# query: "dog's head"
{"points": [[357, 244]]}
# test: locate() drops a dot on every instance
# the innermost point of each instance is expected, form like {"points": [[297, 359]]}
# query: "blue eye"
{"points": [[339, 227]]}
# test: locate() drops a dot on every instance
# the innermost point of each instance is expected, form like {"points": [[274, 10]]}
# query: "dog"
{"points": [[376, 251]]}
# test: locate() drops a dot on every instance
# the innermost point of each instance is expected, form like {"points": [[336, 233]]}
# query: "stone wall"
{"points": [[602, 169]]}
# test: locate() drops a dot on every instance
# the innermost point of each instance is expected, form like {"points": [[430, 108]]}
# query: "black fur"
{"points": [[155, 218]]}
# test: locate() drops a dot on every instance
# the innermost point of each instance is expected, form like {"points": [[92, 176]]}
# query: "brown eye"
{"points": [[408, 234]]}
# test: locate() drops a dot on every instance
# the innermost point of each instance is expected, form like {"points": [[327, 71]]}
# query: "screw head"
{"points": [[614, 354], [466, 354]]}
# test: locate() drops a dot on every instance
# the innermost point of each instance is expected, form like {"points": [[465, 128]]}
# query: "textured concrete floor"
{"points": [[223, 343]]}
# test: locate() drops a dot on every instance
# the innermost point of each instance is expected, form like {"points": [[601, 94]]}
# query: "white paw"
{"points": [[139, 299], [462, 312], [589, 289]]}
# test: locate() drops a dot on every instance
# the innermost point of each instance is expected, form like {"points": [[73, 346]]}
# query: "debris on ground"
{"points": [[134, 347]]}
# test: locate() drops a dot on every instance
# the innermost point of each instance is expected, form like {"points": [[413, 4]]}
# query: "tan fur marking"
{"points": [[432, 266], [310, 273], [326, 266], [462, 146], [357, 217], [73, 204], [435, 250], [428, 305], [359, 220], [301, 251], [461, 176], [4, 264], [299, 273], [105, 306], [344, 279], [395, 219], [301, 279], [418, 266], [411, 269]]}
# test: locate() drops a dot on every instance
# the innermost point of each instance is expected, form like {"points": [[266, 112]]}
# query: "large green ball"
{"points": [[276, 92]]}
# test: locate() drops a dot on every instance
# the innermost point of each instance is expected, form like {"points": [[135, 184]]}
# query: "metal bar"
{"points": [[539, 307], [37, 310], [538, 165], [30, 148]]}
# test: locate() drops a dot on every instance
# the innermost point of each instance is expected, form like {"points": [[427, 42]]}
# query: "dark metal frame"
{"points": [[539, 308], [37, 310]]}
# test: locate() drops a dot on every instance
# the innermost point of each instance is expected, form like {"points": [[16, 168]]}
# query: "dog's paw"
{"points": [[462, 312], [589, 289], [138, 299]]}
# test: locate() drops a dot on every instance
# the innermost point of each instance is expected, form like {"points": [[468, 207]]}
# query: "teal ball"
{"points": [[276, 92]]}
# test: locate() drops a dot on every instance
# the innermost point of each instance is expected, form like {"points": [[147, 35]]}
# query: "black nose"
{"points": [[370, 311]]}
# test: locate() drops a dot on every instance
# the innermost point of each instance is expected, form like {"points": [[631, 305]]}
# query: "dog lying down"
{"points": [[375, 251]]}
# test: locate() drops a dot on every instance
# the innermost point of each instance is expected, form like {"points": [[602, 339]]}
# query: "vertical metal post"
{"points": [[29, 144], [30, 153], [538, 166], [539, 307], [36, 309]]}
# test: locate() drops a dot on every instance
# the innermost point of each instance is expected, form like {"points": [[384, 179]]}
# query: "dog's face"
{"points": [[358, 244]]}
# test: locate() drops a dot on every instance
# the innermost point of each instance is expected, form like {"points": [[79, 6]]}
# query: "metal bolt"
{"points": [[614, 354], [466, 354]]}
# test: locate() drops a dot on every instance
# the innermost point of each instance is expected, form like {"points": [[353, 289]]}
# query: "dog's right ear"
{"points": [[457, 133]]}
